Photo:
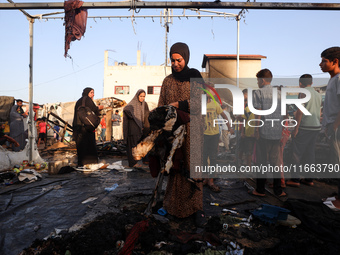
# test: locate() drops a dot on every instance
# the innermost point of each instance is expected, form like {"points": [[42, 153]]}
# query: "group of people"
{"points": [[269, 139], [18, 129], [181, 199], [116, 126]]}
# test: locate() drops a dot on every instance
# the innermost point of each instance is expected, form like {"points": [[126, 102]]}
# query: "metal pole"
{"points": [[238, 85], [31, 117], [166, 39], [238, 52], [179, 5]]}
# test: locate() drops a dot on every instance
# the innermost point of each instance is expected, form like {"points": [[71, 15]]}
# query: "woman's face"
{"points": [[177, 62], [91, 94], [141, 97]]}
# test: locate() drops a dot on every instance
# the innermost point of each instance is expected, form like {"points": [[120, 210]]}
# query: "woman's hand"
{"points": [[100, 107]]}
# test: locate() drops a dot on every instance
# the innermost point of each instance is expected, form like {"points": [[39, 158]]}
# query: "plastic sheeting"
{"points": [[6, 104], [10, 158], [35, 210]]}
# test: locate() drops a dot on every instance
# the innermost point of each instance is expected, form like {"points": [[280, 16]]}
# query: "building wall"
{"points": [[136, 77], [226, 68]]}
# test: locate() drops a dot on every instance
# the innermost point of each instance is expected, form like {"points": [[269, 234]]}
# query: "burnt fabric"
{"points": [[180, 199], [135, 124], [85, 140], [162, 117], [75, 22], [158, 122]]}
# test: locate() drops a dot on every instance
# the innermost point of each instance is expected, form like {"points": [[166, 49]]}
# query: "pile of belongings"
{"points": [[167, 131]]}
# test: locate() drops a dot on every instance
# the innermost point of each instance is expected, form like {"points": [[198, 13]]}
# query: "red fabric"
{"points": [[35, 109], [103, 123], [133, 236], [42, 126], [182, 117], [75, 22]]}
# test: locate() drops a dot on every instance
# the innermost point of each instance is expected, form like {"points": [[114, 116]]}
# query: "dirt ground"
{"points": [[48, 217]]}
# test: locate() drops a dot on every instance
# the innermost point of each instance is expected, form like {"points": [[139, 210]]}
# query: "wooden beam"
{"points": [[178, 5]]}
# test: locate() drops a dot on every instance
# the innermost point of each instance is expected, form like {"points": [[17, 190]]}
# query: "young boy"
{"points": [[306, 131], [103, 125], [56, 130], [330, 63], [42, 131], [267, 136], [116, 127], [211, 138]]}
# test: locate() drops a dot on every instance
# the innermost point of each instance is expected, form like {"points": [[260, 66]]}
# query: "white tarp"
{"points": [[10, 158]]}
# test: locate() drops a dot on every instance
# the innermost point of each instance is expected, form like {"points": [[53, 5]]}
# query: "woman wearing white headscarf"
{"points": [[135, 123]]}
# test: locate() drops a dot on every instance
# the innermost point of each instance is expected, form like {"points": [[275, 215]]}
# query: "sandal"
{"points": [[255, 193], [214, 188]]}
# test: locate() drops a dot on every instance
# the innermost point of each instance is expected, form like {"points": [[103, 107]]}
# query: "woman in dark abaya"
{"points": [[135, 123], [85, 140]]}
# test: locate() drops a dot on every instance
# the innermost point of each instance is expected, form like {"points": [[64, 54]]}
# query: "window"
{"points": [[154, 90], [122, 90]]}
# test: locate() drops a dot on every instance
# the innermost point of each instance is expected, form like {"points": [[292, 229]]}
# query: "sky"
{"points": [[291, 40]]}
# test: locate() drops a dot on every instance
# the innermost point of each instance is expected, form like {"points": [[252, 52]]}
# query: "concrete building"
{"points": [[222, 69], [223, 66], [123, 81]]}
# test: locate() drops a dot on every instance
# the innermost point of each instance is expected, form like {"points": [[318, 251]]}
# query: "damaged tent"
{"points": [[6, 104]]}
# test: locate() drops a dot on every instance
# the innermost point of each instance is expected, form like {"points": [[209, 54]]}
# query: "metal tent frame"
{"points": [[135, 4]]}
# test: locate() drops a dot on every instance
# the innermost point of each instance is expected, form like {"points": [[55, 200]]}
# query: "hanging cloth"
{"points": [[75, 22]]}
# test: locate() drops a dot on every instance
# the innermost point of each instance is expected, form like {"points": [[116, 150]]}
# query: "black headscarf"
{"points": [[187, 73], [86, 91]]}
